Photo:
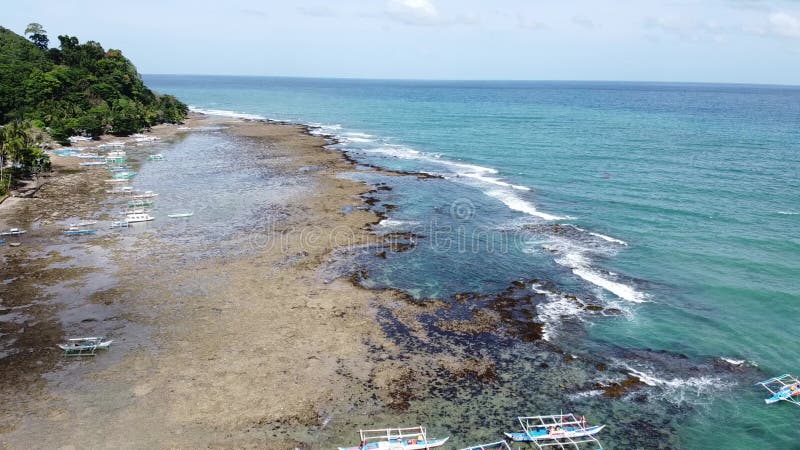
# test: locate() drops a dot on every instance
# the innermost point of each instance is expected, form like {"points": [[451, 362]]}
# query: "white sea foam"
{"points": [[226, 113], [608, 238], [396, 151], [395, 223], [788, 213], [576, 257], [621, 290], [352, 134], [493, 180], [733, 362], [585, 394], [359, 140], [680, 390], [517, 204], [552, 312]]}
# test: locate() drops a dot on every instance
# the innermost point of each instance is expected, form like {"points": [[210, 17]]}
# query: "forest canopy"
{"points": [[76, 88]]}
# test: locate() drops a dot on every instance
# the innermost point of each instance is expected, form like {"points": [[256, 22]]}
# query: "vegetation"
{"points": [[76, 88], [17, 146]]}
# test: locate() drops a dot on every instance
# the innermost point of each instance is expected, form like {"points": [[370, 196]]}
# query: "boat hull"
{"points": [[396, 444], [569, 433]]}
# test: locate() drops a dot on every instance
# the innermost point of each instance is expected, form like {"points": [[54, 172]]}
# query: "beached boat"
{"points": [[414, 438], [499, 445], [89, 156], [84, 346], [117, 180], [180, 214], [67, 152], [118, 168], [119, 224], [93, 163], [558, 430], [783, 388], [121, 160], [138, 217], [75, 231], [121, 190], [145, 194], [13, 232], [156, 157], [140, 203], [123, 175]]}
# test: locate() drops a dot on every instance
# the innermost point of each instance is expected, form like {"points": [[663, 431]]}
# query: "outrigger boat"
{"points": [[156, 157], [138, 217], [84, 346], [13, 232], [179, 215], [123, 175], [119, 224], [139, 203], [499, 445], [93, 163], [145, 194], [558, 430], [785, 387], [74, 230], [415, 438], [121, 190]]}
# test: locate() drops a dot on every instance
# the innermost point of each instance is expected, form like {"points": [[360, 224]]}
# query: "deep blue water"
{"points": [[679, 206]]}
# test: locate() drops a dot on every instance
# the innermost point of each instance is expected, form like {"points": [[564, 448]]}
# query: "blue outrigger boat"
{"points": [[783, 388], [558, 430]]}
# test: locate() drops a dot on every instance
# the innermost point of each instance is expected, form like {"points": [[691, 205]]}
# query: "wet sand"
{"points": [[236, 350]]}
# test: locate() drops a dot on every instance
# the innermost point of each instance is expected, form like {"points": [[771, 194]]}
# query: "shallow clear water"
{"points": [[687, 199]]}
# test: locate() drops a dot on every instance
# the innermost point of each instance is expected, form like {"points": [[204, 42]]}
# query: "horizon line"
{"points": [[513, 80]]}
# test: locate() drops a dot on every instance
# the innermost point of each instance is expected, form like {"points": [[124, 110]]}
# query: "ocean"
{"points": [[673, 210]]}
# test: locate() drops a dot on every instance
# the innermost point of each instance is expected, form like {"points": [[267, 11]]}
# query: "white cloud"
{"points": [[585, 22], [529, 23], [316, 11], [414, 12], [784, 25], [687, 28]]}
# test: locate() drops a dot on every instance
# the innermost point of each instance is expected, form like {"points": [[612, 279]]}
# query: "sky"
{"points": [[739, 41]]}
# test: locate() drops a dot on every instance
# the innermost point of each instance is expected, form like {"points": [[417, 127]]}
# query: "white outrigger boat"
{"points": [[13, 232], [415, 438], [86, 346], [558, 430], [783, 388], [180, 214], [499, 445], [138, 217], [145, 194], [121, 190]]}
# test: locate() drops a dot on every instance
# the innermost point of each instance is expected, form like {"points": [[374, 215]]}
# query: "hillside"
{"points": [[77, 88]]}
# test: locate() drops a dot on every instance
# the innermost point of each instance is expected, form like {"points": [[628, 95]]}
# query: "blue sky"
{"points": [[750, 41]]}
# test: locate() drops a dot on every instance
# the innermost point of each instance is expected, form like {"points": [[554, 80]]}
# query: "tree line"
{"points": [[72, 89]]}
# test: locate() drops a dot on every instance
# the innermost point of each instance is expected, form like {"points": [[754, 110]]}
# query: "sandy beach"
{"points": [[236, 350]]}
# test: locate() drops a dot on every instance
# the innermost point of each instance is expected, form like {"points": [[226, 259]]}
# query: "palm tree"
{"points": [[16, 144]]}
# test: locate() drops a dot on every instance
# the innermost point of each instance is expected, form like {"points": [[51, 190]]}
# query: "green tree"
{"points": [[37, 35]]}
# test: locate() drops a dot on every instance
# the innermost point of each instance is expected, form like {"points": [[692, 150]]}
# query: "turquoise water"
{"points": [[683, 202]]}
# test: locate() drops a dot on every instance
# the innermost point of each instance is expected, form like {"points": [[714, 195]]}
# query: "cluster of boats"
{"points": [[550, 431], [556, 430]]}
